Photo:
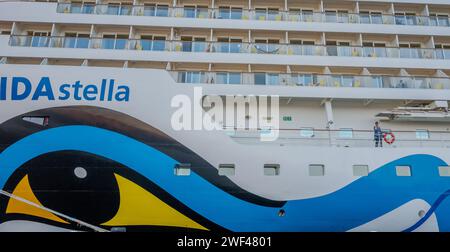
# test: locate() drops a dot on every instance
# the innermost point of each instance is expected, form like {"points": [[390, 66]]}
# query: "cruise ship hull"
{"points": [[108, 161]]}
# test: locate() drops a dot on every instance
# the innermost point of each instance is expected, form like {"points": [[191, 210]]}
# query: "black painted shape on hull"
{"points": [[16, 129], [93, 198]]}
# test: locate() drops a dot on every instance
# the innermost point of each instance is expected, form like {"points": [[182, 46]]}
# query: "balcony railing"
{"points": [[228, 47], [252, 14], [311, 80], [344, 138]]}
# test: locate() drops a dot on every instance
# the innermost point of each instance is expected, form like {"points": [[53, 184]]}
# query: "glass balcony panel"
{"points": [[400, 20], [82, 42], [121, 44], [88, 8], [222, 47], [344, 51], [411, 20], [146, 44], [274, 15], [125, 10], [70, 42], [446, 53], [260, 14], [308, 50], [159, 45], [416, 53], [343, 18], [235, 47], [108, 43], [260, 48], [224, 13], [273, 79], [40, 41], [369, 52], [236, 13], [186, 46], [149, 11], [162, 11], [75, 8], [199, 46], [234, 78], [330, 17], [405, 53], [308, 16], [189, 12], [274, 48], [380, 52], [440, 54], [222, 78], [364, 18], [376, 18], [433, 21], [347, 81], [421, 20], [113, 9], [295, 49], [377, 82], [202, 13], [443, 21], [260, 78], [332, 51]]}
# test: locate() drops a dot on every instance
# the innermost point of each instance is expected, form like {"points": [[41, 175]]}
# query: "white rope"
{"points": [[82, 223]]}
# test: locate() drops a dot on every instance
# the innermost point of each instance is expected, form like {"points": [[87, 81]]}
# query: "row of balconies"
{"points": [[271, 14], [311, 80], [161, 44]]}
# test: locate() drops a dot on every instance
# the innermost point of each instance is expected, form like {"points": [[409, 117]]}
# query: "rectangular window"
{"points": [[403, 171], [182, 169], [271, 169], [422, 134], [346, 133], [307, 132], [360, 170], [226, 169], [316, 170], [444, 171]]}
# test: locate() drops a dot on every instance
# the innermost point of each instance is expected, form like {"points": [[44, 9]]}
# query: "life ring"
{"points": [[389, 138]]}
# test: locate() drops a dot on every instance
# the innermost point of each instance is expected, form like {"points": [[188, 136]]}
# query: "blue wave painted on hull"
{"points": [[353, 205], [430, 211]]}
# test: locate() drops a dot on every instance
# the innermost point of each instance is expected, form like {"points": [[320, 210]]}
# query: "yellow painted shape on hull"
{"points": [[24, 191], [139, 207]]}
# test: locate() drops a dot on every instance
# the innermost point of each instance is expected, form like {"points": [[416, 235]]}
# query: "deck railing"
{"points": [[345, 138], [262, 14], [118, 43]]}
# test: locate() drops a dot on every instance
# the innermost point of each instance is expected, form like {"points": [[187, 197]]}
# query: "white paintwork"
{"points": [[401, 218]]}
